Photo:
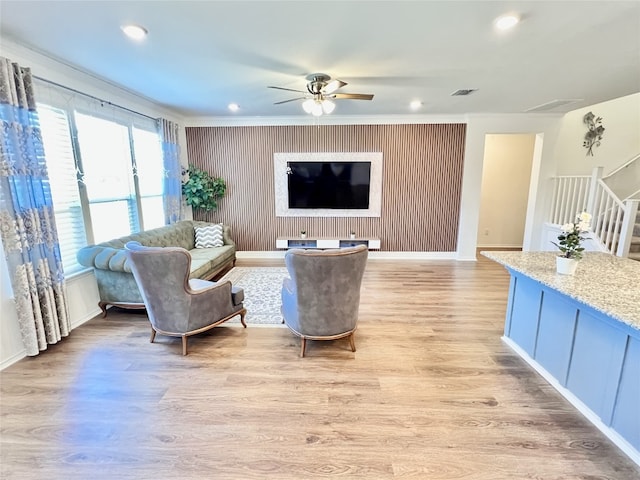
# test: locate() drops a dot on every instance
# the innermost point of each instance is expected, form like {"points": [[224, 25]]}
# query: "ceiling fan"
{"points": [[321, 91]]}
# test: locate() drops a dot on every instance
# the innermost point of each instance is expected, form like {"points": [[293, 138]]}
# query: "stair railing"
{"points": [[612, 219], [570, 196], [608, 214]]}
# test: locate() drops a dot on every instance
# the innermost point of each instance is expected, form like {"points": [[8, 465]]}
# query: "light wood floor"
{"points": [[431, 393]]}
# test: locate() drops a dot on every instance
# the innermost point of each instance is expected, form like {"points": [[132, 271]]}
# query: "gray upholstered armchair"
{"points": [[322, 298], [176, 305]]}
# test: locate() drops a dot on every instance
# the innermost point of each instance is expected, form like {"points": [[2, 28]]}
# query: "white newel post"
{"points": [[626, 231], [596, 175]]}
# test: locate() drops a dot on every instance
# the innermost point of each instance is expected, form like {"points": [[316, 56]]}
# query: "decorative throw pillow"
{"points": [[209, 236]]}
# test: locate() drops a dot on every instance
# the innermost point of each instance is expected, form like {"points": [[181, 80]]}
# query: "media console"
{"points": [[325, 242]]}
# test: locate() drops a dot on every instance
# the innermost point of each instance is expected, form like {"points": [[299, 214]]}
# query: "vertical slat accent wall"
{"points": [[421, 181]]}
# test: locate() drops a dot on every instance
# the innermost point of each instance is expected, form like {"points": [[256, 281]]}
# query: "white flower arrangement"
{"points": [[570, 241]]}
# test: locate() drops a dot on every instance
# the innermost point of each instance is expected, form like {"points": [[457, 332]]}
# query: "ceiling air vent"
{"points": [[463, 92], [552, 105]]}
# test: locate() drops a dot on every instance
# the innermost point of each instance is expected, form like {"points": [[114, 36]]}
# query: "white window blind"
{"points": [[64, 185]]}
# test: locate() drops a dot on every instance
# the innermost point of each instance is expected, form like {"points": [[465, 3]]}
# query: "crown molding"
{"points": [[309, 120]]}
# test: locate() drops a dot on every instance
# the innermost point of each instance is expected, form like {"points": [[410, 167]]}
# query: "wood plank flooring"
{"points": [[431, 393]]}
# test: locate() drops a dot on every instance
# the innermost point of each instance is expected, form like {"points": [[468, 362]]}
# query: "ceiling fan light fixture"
{"points": [[316, 111], [307, 105], [328, 106]]}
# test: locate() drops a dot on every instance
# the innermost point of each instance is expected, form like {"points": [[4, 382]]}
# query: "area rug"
{"points": [[262, 286]]}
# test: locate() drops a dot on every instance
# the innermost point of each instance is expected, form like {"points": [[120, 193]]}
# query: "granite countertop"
{"points": [[605, 282]]}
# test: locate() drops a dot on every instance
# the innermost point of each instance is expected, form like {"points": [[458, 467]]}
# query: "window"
{"points": [[64, 184], [148, 151], [106, 174]]}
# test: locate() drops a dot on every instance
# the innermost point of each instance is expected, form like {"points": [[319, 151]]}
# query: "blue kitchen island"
{"points": [[581, 333]]}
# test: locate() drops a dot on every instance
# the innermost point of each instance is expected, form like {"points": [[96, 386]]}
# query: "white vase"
{"points": [[566, 266], [303, 235], [352, 236]]}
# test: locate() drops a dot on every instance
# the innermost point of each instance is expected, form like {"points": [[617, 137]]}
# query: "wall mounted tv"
{"points": [[329, 185], [355, 184]]}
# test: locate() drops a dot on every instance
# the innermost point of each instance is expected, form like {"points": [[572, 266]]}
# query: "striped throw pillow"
{"points": [[209, 236]]}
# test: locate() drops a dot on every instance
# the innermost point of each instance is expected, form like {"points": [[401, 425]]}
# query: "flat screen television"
{"points": [[333, 185]]}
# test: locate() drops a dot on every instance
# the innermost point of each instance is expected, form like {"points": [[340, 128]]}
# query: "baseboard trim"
{"points": [[89, 316], [7, 362], [373, 255], [610, 433], [261, 254], [496, 247]]}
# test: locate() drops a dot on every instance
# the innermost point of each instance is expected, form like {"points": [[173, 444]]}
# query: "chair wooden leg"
{"points": [[352, 342], [184, 344], [303, 345], [242, 314], [103, 307], [153, 335]]}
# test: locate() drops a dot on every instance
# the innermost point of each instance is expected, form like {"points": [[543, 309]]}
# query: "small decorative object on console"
{"points": [[352, 235], [303, 234]]}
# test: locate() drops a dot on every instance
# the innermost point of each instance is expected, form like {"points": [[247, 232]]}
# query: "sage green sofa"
{"points": [[116, 284]]}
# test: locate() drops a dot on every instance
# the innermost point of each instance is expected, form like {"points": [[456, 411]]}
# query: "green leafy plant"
{"points": [[201, 190], [569, 241]]}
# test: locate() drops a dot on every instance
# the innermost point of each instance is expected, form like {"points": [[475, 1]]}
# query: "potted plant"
{"points": [[352, 235], [201, 190], [570, 243], [303, 234]]}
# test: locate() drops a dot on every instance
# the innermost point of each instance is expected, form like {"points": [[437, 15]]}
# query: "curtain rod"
{"points": [[92, 97]]}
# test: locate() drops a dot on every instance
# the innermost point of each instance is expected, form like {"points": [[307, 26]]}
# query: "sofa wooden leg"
{"points": [[103, 307], [352, 342], [153, 335], [303, 346], [243, 312], [184, 344]]}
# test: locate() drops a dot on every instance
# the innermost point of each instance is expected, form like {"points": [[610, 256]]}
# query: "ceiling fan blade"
{"points": [[290, 100], [353, 96], [333, 85], [288, 89]]}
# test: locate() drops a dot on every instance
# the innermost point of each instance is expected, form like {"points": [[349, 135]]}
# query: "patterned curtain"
{"points": [[27, 223], [172, 188]]}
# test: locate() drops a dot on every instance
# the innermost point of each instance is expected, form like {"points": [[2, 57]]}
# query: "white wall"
{"points": [[82, 289], [506, 174], [545, 128], [11, 348], [620, 142]]}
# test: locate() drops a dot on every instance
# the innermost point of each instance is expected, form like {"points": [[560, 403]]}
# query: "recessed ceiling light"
{"points": [[505, 22], [415, 105], [135, 32], [234, 107]]}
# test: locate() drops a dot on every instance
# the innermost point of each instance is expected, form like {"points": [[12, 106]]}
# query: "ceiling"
{"points": [[200, 56]]}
